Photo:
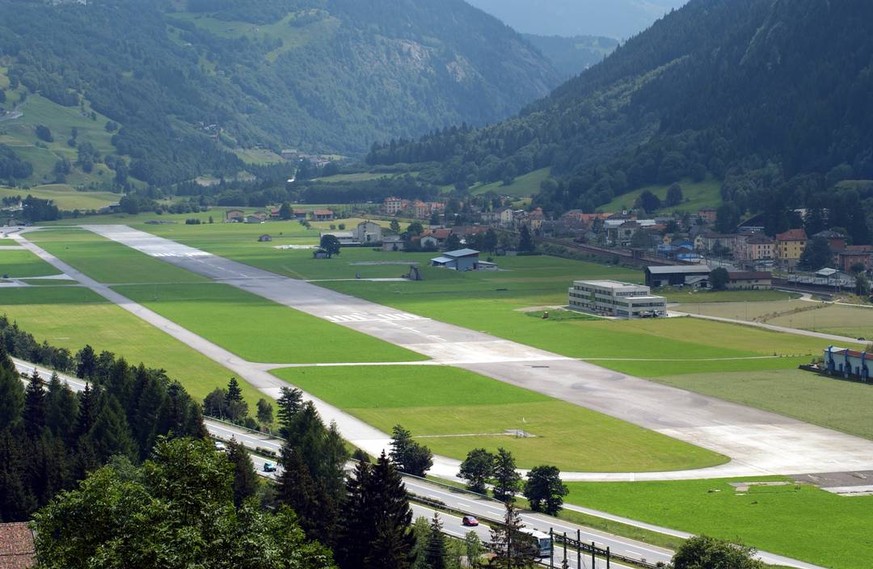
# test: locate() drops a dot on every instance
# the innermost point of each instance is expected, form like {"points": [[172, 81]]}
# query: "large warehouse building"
{"points": [[678, 275], [613, 298]]}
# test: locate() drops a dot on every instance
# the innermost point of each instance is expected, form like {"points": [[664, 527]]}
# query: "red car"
{"points": [[469, 521]]}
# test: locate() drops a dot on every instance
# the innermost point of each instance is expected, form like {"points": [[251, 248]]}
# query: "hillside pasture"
{"points": [[65, 196], [522, 186], [453, 411], [696, 196]]}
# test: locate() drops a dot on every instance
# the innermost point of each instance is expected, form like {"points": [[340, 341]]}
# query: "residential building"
{"points": [[756, 247], [234, 215], [853, 255], [322, 215], [789, 247], [614, 298], [393, 205]]}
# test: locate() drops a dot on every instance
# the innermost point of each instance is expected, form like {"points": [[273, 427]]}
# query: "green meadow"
{"points": [[796, 520], [260, 330], [65, 196], [830, 402], [851, 321], [453, 411], [697, 195], [21, 264], [71, 317], [106, 261]]}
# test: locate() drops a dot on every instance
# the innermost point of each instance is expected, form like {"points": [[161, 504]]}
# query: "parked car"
{"points": [[269, 467], [469, 521]]}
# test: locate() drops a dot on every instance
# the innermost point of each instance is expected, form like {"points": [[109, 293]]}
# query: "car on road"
{"points": [[469, 521], [269, 467]]}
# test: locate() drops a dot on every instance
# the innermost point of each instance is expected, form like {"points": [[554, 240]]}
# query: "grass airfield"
{"points": [[734, 362]]}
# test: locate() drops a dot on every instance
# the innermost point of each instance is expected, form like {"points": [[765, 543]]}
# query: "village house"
{"points": [[750, 280], [234, 216], [755, 247], [789, 247], [322, 215]]}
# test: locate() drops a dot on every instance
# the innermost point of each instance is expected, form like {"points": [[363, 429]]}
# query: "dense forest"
{"points": [[51, 437], [181, 86], [743, 91]]}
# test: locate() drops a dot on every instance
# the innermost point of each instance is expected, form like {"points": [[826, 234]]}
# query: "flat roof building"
{"points": [[614, 298]]}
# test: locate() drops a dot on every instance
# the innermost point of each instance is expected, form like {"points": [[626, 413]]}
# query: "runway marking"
{"points": [[368, 317]]}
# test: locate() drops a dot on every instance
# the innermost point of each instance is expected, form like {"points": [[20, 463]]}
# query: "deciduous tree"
{"points": [[704, 552], [477, 468], [544, 489]]}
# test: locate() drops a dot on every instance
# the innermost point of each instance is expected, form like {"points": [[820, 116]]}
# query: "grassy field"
{"points": [[795, 520], [453, 411], [65, 196], [107, 261], [697, 195], [826, 401], [19, 134], [71, 317], [843, 320], [521, 187], [259, 330], [21, 263]]}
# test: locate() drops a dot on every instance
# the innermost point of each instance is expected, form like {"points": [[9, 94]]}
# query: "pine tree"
{"points": [[290, 401], [11, 392], [394, 541], [34, 406], [508, 542], [87, 366], [435, 550], [245, 479], [355, 531], [237, 408], [62, 407], [506, 479], [16, 499]]}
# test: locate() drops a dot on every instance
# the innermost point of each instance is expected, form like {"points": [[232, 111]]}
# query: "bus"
{"points": [[539, 541]]}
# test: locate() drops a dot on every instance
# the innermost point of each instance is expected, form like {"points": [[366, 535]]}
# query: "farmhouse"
{"points": [[234, 215], [322, 215], [613, 298], [368, 232], [459, 260], [750, 280], [848, 363], [678, 275]]}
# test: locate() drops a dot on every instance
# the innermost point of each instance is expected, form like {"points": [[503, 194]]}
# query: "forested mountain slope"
{"points": [[773, 97], [189, 81]]}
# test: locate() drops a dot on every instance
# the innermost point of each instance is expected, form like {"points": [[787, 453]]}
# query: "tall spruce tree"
{"points": [[62, 408], [513, 549], [245, 479], [506, 478], [34, 406], [435, 550], [374, 529], [11, 391]]}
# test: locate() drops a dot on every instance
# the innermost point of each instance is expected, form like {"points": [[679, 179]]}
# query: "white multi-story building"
{"points": [[613, 298]]}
